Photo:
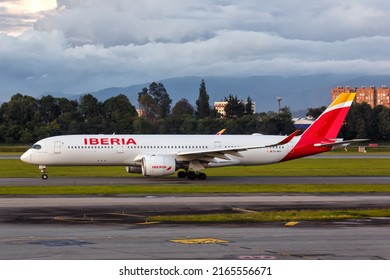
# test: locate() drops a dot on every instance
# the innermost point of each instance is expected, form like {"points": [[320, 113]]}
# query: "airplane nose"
{"points": [[26, 157]]}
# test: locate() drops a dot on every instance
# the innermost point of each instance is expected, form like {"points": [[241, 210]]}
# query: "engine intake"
{"points": [[158, 165]]}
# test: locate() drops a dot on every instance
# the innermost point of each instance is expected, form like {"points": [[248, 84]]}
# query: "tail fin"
{"points": [[320, 136], [328, 125]]}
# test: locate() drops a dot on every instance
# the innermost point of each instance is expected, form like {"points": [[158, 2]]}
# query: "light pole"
{"points": [[279, 99]]}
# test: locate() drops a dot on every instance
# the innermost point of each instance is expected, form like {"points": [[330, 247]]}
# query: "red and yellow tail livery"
{"points": [[321, 135]]}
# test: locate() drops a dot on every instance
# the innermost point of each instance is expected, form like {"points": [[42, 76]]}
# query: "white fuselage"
{"points": [[126, 150]]}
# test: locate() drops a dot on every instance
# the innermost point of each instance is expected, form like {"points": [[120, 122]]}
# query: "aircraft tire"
{"points": [[181, 174], [45, 176], [202, 176], [191, 175]]}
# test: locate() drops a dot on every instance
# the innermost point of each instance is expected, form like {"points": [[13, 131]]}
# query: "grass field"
{"points": [[274, 216], [190, 189]]}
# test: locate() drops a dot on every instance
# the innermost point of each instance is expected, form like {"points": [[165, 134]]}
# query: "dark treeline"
{"points": [[365, 122], [25, 119]]}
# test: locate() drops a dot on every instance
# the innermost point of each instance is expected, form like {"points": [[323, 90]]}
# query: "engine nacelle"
{"points": [[134, 169], [158, 165]]}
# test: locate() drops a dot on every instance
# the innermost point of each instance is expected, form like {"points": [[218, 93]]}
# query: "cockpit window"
{"points": [[36, 146]]}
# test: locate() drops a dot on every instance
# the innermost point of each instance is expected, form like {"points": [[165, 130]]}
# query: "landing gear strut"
{"points": [[43, 172], [192, 175]]}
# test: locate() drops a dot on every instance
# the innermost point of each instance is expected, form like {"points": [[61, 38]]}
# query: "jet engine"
{"points": [[134, 169], [158, 165]]}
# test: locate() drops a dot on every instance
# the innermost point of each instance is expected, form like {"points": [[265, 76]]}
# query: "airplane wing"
{"points": [[210, 155]]}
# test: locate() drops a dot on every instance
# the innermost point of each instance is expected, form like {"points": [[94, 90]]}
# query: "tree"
{"points": [[246, 124], [203, 109], [182, 108], [20, 109], [154, 102], [359, 122], [49, 109], [284, 121], [147, 104], [315, 112], [70, 119], [384, 124], [381, 116], [234, 108], [249, 106], [91, 111], [162, 99], [143, 126], [18, 117], [119, 114], [188, 126], [276, 123]]}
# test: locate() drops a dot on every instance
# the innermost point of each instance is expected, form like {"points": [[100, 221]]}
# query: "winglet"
{"points": [[286, 140], [221, 131]]}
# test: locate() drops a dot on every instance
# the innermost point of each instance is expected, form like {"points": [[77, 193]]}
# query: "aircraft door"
{"points": [[217, 144], [120, 149], [57, 147]]}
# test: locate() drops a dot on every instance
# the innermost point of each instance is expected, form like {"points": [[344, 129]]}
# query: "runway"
{"points": [[131, 180], [195, 203], [156, 242]]}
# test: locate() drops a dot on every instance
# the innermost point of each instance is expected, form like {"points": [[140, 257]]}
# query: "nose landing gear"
{"points": [[43, 172]]}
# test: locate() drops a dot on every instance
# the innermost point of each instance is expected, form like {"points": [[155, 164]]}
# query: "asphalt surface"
{"points": [[348, 241], [175, 203], [117, 227]]}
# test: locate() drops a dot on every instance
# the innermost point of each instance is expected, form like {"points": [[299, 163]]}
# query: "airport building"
{"points": [[371, 95]]}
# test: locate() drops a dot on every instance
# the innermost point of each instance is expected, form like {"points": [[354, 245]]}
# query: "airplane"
{"points": [[163, 155]]}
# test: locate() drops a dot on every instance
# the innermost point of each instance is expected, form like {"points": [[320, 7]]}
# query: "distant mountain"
{"points": [[58, 94], [297, 92]]}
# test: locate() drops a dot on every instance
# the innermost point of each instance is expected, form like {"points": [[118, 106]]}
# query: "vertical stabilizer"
{"points": [[324, 130], [328, 125]]}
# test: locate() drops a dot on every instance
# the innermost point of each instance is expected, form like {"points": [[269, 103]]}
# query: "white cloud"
{"points": [[19, 15]]}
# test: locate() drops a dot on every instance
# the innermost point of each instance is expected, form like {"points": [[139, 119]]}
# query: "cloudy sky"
{"points": [[79, 46]]}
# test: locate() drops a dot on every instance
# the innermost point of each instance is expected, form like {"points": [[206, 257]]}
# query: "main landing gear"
{"points": [[191, 175], [43, 172]]}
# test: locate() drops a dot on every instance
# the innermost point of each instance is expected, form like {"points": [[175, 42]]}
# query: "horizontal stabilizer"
{"points": [[340, 143]]}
